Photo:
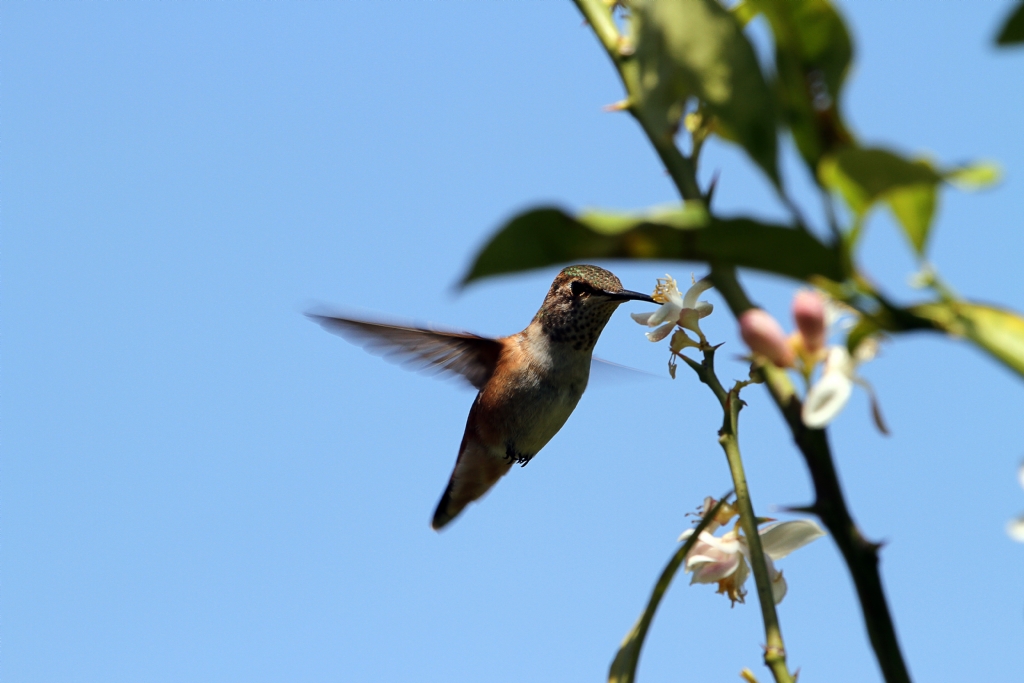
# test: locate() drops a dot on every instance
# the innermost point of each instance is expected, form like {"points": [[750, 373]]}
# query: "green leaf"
{"points": [[744, 12], [549, 236], [696, 48], [977, 176], [863, 176], [623, 668], [1012, 32], [914, 208], [866, 176], [813, 52], [996, 330]]}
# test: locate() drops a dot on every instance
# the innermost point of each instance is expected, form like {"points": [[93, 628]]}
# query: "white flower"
{"points": [[676, 309], [1015, 527], [832, 390], [725, 559]]}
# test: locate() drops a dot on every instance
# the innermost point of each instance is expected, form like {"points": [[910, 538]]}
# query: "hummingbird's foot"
{"points": [[514, 456]]}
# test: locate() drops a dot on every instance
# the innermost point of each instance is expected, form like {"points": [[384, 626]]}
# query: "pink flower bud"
{"points": [[764, 336], [809, 313]]}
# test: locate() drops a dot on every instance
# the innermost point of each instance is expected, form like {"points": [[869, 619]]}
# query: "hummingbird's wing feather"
{"points": [[460, 353], [606, 370]]}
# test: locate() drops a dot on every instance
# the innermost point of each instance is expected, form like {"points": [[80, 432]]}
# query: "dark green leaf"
{"points": [[696, 48], [813, 51], [866, 176], [1013, 30], [623, 669], [549, 236], [996, 330]]}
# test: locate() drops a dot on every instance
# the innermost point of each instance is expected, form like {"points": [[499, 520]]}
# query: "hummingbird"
{"points": [[528, 383]]}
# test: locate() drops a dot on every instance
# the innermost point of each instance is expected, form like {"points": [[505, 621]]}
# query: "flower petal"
{"points": [[779, 587], [782, 538], [826, 398], [839, 360], [699, 287], [641, 318], [704, 308], [1015, 527], [660, 333], [727, 543], [668, 311], [708, 570], [689, 318]]}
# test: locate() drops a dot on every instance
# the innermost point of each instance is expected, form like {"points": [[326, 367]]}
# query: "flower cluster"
{"points": [[725, 559], [806, 348]]}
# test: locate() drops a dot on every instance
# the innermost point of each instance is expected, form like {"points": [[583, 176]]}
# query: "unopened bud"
{"points": [[764, 336], [809, 314]]}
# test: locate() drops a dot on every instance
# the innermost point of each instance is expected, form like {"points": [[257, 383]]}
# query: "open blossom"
{"points": [[830, 393], [676, 309], [1015, 527], [725, 559]]}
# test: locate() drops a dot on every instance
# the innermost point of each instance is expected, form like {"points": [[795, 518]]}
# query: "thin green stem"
{"points": [[728, 438]]}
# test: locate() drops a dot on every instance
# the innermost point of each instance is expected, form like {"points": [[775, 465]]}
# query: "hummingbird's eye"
{"points": [[579, 288]]}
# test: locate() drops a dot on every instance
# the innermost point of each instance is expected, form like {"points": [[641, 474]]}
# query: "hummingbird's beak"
{"points": [[627, 295]]}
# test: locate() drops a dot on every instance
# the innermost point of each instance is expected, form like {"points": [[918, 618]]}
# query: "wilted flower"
{"points": [[725, 559], [676, 309], [1015, 527]]}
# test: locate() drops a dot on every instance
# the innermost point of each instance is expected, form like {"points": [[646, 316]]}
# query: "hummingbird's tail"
{"points": [[476, 471]]}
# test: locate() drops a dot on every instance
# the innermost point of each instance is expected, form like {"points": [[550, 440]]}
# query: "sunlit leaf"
{"points": [[623, 668], [977, 176], [743, 11], [549, 236], [914, 208], [862, 176], [696, 48], [1012, 32], [866, 176], [813, 51], [996, 330]]}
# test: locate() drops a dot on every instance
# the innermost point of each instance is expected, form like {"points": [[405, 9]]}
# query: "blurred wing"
{"points": [[605, 371], [438, 351]]}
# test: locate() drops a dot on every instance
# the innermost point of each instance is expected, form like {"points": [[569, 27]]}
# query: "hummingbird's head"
{"points": [[579, 304]]}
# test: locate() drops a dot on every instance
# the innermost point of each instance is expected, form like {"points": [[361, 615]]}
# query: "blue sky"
{"points": [[199, 484]]}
